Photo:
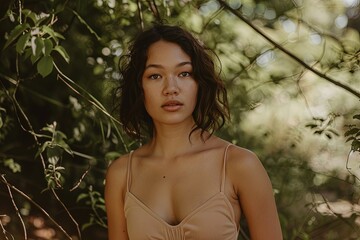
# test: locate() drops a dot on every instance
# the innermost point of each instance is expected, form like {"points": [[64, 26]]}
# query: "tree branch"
{"points": [[284, 50], [16, 208], [35, 204], [68, 212]]}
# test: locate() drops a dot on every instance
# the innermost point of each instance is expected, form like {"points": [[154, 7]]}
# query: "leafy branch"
{"points": [[37, 40], [353, 136], [287, 52]]}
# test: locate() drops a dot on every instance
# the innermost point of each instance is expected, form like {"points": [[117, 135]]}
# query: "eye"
{"points": [[185, 74], [154, 76]]}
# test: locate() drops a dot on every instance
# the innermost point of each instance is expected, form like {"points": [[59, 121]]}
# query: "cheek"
{"points": [[149, 99]]}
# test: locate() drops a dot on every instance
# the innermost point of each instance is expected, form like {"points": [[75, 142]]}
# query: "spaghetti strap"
{"points": [[223, 169], [128, 171]]}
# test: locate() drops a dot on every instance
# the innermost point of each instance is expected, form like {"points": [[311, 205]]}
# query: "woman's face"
{"points": [[170, 91]]}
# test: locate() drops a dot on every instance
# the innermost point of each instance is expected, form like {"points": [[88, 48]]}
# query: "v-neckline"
{"points": [[183, 221]]}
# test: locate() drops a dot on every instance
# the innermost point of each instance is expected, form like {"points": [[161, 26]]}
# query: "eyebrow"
{"points": [[161, 66]]}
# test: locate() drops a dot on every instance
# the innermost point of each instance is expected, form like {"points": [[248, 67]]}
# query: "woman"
{"points": [[184, 183]]}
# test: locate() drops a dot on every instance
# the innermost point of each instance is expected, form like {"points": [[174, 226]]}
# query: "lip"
{"points": [[172, 105]]}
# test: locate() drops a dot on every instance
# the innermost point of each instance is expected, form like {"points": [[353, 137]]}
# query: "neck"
{"points": [[170, 141]]}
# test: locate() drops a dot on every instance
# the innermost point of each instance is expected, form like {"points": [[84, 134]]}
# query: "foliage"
{"points": [[291, 68], [353, 135]]}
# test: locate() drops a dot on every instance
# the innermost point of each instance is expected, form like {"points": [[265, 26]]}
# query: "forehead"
{"points": [[166, 53]]}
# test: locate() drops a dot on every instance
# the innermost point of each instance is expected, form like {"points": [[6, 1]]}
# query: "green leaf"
{"points": [[87, 25], [15, 33], [41, 17], [48, 47], [34, 58], [42, 148], [63, 145], [319, 131], [48, 30], [333, 131], [53, 161], [355, 145], [82, 196], [38, 46], [351, 131], [21, 43], [58, 35], [27, 53], [54, 35], [29, 14], [357, 116], [14, 166], [349, 139], [86, 225], [52, 151], [62, 52], [45, 66], [311, 125]]}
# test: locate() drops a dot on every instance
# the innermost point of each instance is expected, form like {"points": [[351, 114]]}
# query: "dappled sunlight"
{"points": [[340, 207], [292, 72], [45, 233]]}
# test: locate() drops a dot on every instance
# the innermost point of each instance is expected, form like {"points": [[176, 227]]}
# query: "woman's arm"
{"points": [[255, 194], [115, 188]]}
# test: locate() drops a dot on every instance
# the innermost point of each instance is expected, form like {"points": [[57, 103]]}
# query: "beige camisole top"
{"points": [[212, 220]]}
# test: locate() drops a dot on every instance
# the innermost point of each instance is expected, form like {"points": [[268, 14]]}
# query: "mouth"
{"points": [[172, 106]]}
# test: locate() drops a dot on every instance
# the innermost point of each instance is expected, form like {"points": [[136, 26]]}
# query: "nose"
{"points": [[171, 86]]}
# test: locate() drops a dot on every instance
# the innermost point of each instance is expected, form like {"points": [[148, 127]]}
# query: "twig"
{"points": [[140, 15], [284, 50], [80, 180], [339, 215], [93, 101], [93, 207], [17, 108], [68, 212], [36, 205], [154, 9], [349, 168], [16, 208], [4, 231]]}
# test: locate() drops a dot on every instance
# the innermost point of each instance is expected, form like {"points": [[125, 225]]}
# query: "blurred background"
{"points": [[293, 78]]}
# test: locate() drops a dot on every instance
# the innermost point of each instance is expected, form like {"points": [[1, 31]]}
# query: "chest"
{"points": [[174, 191]]}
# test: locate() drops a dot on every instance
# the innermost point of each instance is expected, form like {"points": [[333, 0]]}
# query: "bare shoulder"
{"points": [[115, 188], [119, 164], [240, 158], [116, 172], [245, 169]]}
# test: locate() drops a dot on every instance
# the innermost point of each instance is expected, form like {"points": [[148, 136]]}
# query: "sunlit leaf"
{"points": [[12, 165], [29, 14], [63, 53], [54, 35]]}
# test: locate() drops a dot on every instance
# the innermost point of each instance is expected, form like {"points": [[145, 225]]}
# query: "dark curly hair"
{"points": [[211, 110]]}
